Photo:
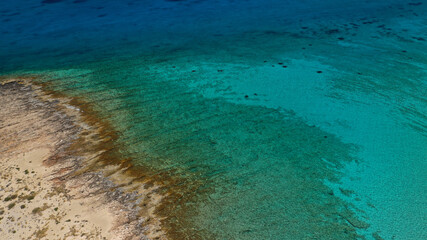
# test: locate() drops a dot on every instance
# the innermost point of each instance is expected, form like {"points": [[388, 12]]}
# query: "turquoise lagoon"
{"points": [[281, 119]]}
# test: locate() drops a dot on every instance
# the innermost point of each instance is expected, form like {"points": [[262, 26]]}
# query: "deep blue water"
{"points": [[67, 30], [283, 119]]}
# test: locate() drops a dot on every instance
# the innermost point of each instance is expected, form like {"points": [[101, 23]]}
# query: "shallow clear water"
{"points": [[279, 119]]}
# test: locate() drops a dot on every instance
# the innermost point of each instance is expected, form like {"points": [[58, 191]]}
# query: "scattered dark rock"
{"points": [[418, 38], [340, 38], [346, 192], [246, 96], [51, 1], [415, 4], [10, 206], [319, 71], [12, 197], [332, 31]]}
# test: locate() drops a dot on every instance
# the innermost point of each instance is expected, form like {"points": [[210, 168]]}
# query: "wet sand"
{"points": [[55, 182]]}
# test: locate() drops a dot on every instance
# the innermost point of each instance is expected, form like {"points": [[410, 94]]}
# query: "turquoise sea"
{"points": [[277, 119]]}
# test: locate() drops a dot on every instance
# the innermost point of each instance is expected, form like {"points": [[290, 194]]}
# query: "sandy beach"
{"points": [[54, 179]]}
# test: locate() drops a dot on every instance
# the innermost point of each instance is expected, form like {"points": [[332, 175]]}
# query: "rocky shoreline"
{"points": [[59, 178]]}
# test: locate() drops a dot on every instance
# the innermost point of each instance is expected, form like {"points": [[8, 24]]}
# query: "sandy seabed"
{"points": [[48, 186]]}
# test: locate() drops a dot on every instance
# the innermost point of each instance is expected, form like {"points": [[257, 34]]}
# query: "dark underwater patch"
{"points": [[51, 1]]}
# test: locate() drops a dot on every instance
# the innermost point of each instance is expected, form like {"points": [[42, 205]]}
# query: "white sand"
{"points": [[38, 198]]}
